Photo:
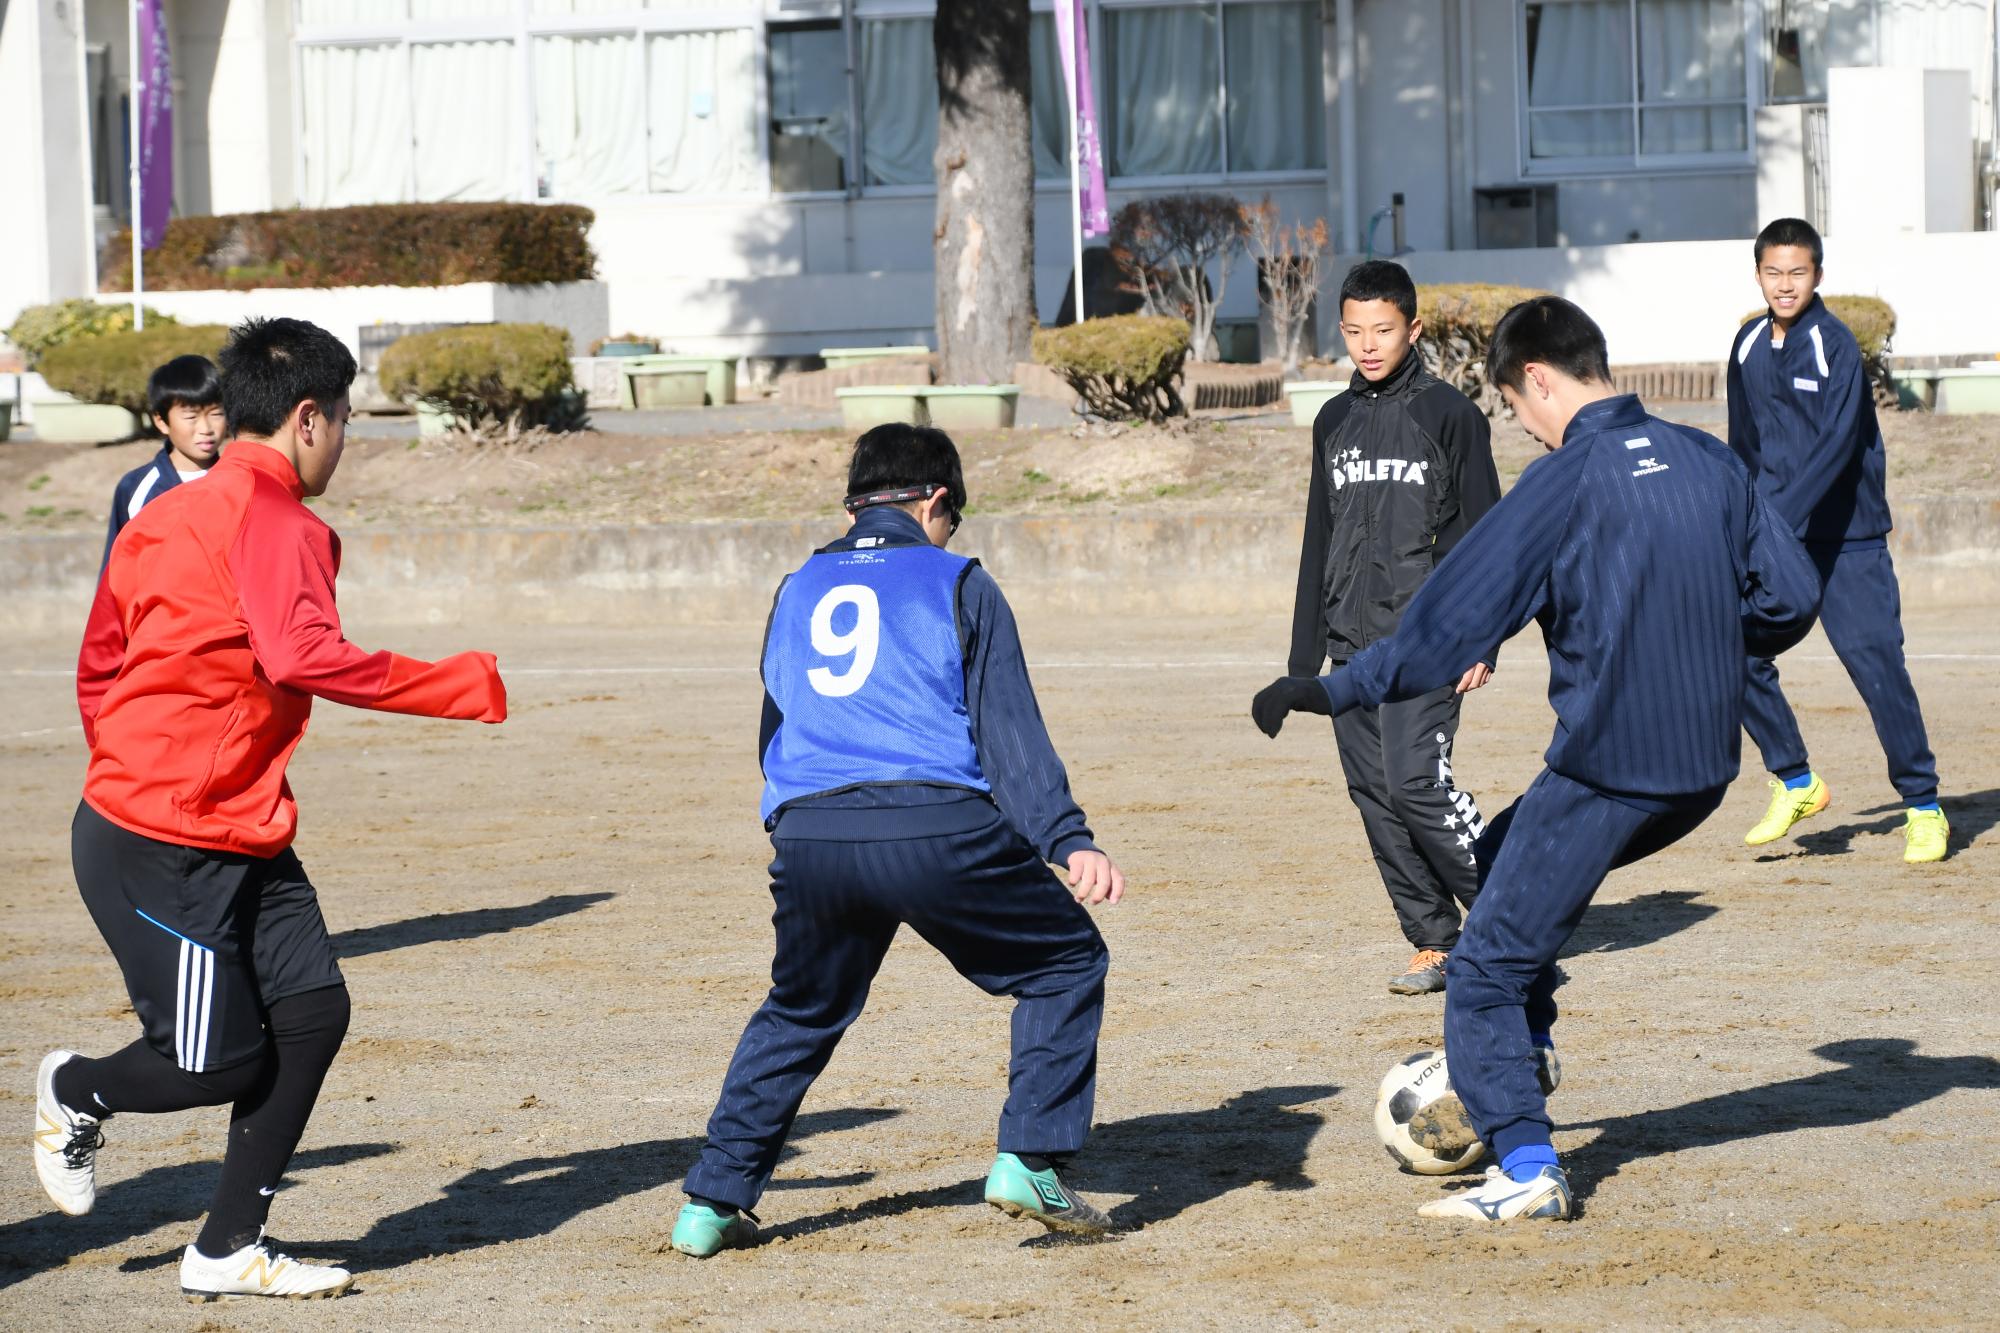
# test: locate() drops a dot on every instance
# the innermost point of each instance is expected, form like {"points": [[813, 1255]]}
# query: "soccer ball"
{"points": [[1411, 1084]]}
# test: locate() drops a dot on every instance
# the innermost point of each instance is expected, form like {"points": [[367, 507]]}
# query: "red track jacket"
{"points": [[213, 628]]}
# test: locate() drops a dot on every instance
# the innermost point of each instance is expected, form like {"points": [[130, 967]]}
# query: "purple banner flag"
{"points": [[1073, 35], [156, 123]]}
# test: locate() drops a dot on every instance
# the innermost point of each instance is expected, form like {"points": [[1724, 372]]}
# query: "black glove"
{"points": [[1288, 694]]}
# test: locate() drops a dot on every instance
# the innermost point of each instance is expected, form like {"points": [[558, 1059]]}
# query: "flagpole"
{"points": [[1077, 75], [137, 82]]}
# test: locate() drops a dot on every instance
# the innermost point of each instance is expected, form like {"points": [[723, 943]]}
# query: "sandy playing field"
{"points": [[1781, 1106]]}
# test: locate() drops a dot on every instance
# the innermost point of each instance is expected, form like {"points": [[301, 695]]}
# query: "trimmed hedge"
{"points": [[381, 245], [1872, 321], [1122, 366], [510, 375], [41, 328], [1458, 328], [114, 367]]}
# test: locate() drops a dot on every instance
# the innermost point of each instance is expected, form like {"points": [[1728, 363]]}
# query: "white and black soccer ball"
{"points": [[1411, 1084]]}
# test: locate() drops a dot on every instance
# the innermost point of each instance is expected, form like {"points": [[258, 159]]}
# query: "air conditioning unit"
{"points": [[1514, 217]]}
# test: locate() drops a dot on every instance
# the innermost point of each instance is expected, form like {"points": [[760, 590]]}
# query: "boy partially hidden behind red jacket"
{"points": [[213, 630]]}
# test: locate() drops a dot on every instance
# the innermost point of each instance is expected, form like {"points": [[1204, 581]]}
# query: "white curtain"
{"points": [[1165, 80], [356, 126], [899, 102], [466, 109], [1277, 111], [1942, 34], [1580, 55], [590, 107], [464, 9], [1048, 99], [703, 107], [1691, 51], [351, 13], [582, 6]]}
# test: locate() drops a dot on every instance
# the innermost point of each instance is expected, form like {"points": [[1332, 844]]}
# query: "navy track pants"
{"points": [[1862, 613], [1541, 860], [985, 900]]}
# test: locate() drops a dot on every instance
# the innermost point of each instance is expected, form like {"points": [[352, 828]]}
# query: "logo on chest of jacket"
{"points": [[1800, 382], [1350, 467], [1648, 466]]}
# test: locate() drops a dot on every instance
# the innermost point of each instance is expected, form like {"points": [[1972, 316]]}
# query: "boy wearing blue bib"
{"points": [[908, 780]]}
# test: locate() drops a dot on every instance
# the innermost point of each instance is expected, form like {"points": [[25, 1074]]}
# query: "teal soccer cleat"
{"points": [[1018, 1191], [703, 1230]]}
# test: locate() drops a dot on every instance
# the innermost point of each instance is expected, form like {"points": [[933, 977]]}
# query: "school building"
{"points": [[761, 169]]}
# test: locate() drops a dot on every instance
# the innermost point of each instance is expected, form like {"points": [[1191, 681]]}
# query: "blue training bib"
{"points": [[863, 659]]}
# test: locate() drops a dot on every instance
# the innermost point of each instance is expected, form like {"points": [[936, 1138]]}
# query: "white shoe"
{"points": [[258, 1270], [1504, 1199], [66, 1143]]}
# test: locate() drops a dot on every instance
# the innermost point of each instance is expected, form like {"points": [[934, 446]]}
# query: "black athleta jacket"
{"points": [[1401, 471]]}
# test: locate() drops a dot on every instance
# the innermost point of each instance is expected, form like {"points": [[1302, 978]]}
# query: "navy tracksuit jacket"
{"points": [[1803, 417], [964, 869], [1652, 564], [138, 488]]}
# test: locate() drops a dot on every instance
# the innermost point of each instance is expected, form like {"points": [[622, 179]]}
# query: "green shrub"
{"points": [[487, 375], [1458, 329], [1123, 366], [114, 367], [40, 328], [1872, 321], [381, 245]]}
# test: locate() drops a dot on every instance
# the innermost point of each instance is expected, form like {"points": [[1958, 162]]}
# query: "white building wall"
{"points": [[45, 230]]}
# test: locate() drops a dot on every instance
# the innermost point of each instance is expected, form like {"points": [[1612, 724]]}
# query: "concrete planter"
{"points": [[972, 406], [667, 387], [1971, 390], [1309, 396], [838, 358], [866, 406], [435, 419], [616, 348], [83, 423], [720, 384]]}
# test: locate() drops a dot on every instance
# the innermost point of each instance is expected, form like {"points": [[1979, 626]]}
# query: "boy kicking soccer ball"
{"points": [[213, 630], [1802, 415], [908, 780], [185, 399], [1651, 563]]}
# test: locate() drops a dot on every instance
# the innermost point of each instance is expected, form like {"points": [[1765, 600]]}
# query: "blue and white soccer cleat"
{"points": [[1501, 1198]]}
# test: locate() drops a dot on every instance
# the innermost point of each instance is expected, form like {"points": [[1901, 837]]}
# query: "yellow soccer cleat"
{"points": [[1788, 806], [1925, 833]]}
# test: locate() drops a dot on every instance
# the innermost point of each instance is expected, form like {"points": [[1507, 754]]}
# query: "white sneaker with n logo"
{"points": [[258, 1270], [1501, 1198]]}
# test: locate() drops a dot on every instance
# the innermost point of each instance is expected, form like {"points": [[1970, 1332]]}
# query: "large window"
{"points": [[1620, 84]]}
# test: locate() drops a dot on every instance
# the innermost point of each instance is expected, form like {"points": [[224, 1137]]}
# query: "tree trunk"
{"points": [[985, 238]]}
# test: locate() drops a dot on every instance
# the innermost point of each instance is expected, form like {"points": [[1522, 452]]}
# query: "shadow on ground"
{"points": [[1169, 1163], [130, 1208], [1608, 927], [441, 927], [1876, 1078], [1972, 815]]}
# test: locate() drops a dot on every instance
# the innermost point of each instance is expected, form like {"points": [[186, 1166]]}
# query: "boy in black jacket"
{"points": [[1402, 468]]}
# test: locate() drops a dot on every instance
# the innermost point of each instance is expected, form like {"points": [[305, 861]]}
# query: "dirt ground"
{"points": [[1214, 464], [1781, 1105]]}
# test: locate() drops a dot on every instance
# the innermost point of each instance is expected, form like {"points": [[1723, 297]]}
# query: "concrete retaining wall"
{"points": [[1947, 549]]}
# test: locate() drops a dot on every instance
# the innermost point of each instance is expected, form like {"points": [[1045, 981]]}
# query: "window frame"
{"points": [[1639, 162]]}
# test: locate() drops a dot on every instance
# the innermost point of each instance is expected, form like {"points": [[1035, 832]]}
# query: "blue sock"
{"points": [[1930, 806], [1523, 1164], [1795, 781]]}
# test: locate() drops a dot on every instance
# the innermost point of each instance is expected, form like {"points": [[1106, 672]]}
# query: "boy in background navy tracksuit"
{"points": [[1802, 415], [184, 397], [1651, 563], [909, 780]]}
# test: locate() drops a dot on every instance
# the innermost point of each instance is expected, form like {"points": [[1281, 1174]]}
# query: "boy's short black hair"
{"points": [[1551, 331], [189, 381], [897, 457], [1380, 280], [270, 366], [1792, 231]]}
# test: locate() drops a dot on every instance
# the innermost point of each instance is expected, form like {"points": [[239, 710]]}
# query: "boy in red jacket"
{"points": [[213, 630]]}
